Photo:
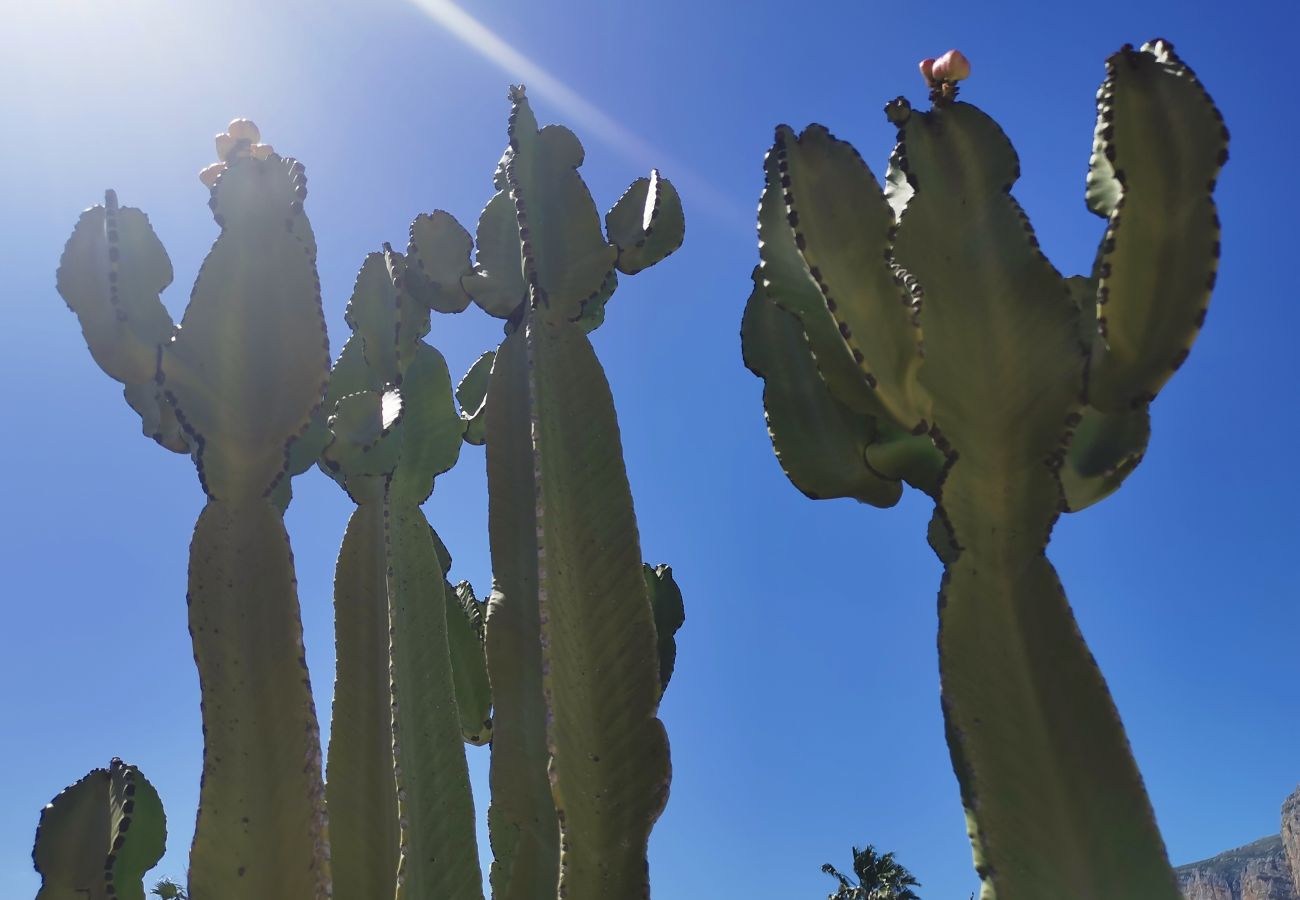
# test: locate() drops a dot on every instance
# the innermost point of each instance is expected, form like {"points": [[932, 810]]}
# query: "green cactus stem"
{"points": [[565, 816], [470, 394], [917, 333], [98, 837], [466, 621], [254, 320], [670, 616], [402, 816], [570, 596]]}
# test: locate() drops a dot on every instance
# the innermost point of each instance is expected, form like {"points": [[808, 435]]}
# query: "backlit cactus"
{"points": [[402, 817], [98, 838], [579, 760], [236, 387], [916, 333], [578, 633]]}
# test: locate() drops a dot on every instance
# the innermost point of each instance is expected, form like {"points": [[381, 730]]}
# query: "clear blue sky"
{"points": [[804, 714]]}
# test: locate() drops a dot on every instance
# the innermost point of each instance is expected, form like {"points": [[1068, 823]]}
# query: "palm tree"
{"points": [[169, 890], [880, 877]]}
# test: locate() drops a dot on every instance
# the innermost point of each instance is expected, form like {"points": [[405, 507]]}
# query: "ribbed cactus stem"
{"points": [[1009, 394], [254, 320]]}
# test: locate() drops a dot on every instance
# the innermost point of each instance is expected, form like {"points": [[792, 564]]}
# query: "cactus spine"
{"points": [[916, 333]]}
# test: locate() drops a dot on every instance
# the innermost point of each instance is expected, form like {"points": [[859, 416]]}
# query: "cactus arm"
{"points": [[497, 281], [842, 225], [111, 274], [439, 857], [1057, 805], [360, 789], [366, 434], [1104, 449], [433, 433], [898, 455], [1159, 145], [593, 308], [157, 418], [521, 820], [439, 256], [471, 394], [261, 825], [787, 282], [609, 751], [255, 320], [669, 616], [559, 229], [468, 663], [819, 442], [386, 318], [646, 224], [98, 837]]}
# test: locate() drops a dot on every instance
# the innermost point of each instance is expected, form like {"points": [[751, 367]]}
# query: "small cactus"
{"points": [[99, 837], [1009, 394]]}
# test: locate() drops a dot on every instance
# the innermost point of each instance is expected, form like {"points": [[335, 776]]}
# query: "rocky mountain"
{"points": [[1257, 871], [1268, 869]]}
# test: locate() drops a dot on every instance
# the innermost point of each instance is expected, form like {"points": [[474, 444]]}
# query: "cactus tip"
{"points": [[898, 110]]}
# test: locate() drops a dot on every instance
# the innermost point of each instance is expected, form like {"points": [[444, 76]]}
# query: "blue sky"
{"points": [[804, 713]]}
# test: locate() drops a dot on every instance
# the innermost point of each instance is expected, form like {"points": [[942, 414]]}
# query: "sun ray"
{"points": [[593, 120]]}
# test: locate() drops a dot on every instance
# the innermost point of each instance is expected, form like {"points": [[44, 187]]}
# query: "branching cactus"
{"points": [[916, 333], [402, 817], [236, 387], [580, 766], [98, 838]]}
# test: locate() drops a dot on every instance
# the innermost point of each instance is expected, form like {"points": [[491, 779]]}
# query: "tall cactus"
{"points": [[236, 387], [398, 783], [917, 333], [579, 758]]}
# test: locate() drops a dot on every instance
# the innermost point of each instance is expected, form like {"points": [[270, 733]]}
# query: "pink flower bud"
{"points": [[244, 130], [225, 145], [209, 175], [927, 71], [952, 67], [261, 151]]}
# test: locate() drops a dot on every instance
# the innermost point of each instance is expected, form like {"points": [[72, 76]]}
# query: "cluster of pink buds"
{"points": [[950, 68], [240, 139]]}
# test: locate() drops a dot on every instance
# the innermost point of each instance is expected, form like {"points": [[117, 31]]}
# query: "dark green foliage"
{"points": [[879, 877]]}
